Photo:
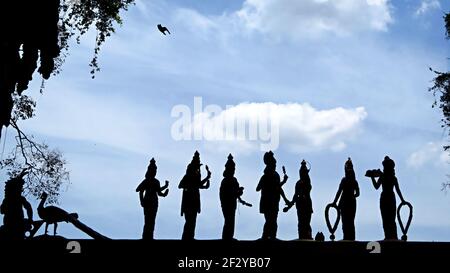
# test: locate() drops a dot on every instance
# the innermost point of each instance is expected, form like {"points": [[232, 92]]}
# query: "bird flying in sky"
{"points": [[163, 29]]}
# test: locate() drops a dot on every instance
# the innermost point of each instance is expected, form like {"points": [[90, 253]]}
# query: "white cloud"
{"points": [[305, 128], [431, 153], [315, 17], [427, 5], [297, 127], [198, 21], [75, 115], [291, 18]]}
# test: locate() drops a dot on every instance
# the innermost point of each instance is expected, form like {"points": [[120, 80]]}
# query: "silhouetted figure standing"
{"points": [[230, 193], [348, 192], [270, 187], [14, 223], [149, 190], [190, 203], [303, 203], [388, 181]]}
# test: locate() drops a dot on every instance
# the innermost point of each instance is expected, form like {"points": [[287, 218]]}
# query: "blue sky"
{"points": [[347, 78]]}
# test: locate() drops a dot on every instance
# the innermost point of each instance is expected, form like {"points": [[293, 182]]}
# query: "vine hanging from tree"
{"points": [[39, 39], [441, 92]]}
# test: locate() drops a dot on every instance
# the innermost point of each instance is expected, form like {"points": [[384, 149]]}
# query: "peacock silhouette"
{"points": [[53, 215]]}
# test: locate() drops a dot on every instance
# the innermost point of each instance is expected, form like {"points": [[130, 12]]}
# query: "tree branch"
{"points": [[22, 135]]}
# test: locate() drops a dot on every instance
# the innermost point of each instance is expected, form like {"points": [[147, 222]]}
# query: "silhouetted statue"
{"points": [[403, 227], [388, 181], [319, 237], [303, 203], [14, 223], [53, 215], [270, 186], [230, 193], [163, 29], [348, 192], [302, 200], [190, 203], [149, 190]]}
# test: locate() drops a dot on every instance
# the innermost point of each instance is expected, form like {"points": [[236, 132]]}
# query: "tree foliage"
{"points": [[45, 167], [39, 39], [78, 16], [441, 91], [441, 88]]}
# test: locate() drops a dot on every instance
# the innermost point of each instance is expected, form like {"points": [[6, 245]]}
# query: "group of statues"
{"points": [[15, 225], [271, 187]]}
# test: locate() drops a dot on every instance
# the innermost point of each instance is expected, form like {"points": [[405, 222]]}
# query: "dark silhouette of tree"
{"points": [[38, 39], [40, 35], [45, 167], [441, 91]]}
